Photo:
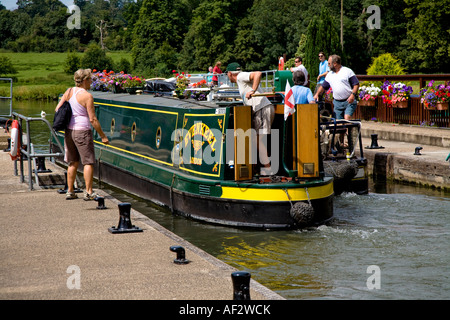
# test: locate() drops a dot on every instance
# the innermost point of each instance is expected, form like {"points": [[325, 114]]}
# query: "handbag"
{"points": [[62, 117]]}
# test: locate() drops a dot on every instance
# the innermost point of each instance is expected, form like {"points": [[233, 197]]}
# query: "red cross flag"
{"points": [[289, 101]]}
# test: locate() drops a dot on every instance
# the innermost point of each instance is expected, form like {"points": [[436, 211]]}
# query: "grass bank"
{"points": [[41, 76]]}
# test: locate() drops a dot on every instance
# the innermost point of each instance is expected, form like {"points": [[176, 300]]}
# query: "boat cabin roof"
{"points": [[163, 101]]}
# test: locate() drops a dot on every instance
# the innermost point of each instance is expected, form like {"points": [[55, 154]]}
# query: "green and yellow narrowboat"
{"points": [[198, 159]]}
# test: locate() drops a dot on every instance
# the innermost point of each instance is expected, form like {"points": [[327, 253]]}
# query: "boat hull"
{"points": [[191, 158], [217, 210]]}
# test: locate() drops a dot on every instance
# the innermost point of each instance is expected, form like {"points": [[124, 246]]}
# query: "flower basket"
{"points": [[134, 89], [182, 83], [117, 88], [435, 97], [366, 103], [368, 94], [396, 95], [401, 104], [442, 106], [427, 106]]}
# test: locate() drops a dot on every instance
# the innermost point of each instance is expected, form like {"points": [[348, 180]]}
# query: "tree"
{"points": [[210, 36], [385, 64], [322, 35], [160, 22], [95, 58], [72, 63], [428, 36], [6, 66]]}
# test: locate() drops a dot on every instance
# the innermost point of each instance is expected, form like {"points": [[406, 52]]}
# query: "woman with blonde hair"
{"points": [[78, 137]]}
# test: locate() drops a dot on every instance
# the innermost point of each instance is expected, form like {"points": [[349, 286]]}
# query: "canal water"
{"points": [[390, 244]]}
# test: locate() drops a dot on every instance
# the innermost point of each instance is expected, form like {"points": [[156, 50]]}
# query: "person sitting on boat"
{"points": [[263, 112], [78, 137], [302, 94]]}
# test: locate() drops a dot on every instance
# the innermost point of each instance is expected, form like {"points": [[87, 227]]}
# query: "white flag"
{"points": [[289, 101]]}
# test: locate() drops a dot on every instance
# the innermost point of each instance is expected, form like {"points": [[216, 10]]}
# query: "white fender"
{"points": [[14, 139]]}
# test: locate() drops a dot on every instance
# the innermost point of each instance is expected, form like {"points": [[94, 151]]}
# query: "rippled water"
{"points": [[405, 234], [403, 231]]}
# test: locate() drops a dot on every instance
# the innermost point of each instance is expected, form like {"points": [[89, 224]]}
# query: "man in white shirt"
{"points": [[263, 112], [344, 84], [300, 67]]}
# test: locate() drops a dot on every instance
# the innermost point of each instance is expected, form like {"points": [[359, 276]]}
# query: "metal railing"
{"points": [[7, 98], [29, 152], [267, 79]]}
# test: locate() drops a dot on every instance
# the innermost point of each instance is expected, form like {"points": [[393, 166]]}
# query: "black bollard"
{"points": [[125, 225], [64, 191], [417, 151], [241, 285], [61, 191], [181, 255], [41, 165], [101, 203], [374, 143]]}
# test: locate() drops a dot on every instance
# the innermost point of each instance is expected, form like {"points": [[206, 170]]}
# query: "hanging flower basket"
{"points": [[435, 97], [366, 103], [442, 106], [368, 94], [396, 95], [428, 106], [401, 104]]}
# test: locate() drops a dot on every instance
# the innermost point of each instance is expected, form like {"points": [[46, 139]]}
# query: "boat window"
{"points": [[113, 126], [133, 131], [158, 137]]}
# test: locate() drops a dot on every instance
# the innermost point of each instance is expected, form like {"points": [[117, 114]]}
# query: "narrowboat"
{"points": [[199, 159]]}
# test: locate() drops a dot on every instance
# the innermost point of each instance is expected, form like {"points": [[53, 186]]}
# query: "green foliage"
{"points": [[158, 33], [193, 34], [6, 66], [299, 53], [428, 36], [72, 63], [123, 65], [385, 64], [95, 58], [322, 35], [209, 37]]}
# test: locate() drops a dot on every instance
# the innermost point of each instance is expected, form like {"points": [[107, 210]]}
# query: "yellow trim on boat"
{"points": [[133, 153], [135, 108], [271, 195]]}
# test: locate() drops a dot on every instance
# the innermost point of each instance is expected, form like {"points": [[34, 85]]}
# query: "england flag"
{"points": [[289, 101]]}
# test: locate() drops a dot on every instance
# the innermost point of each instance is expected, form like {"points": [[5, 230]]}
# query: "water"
{"points": [[405, 234], [403, 231]]}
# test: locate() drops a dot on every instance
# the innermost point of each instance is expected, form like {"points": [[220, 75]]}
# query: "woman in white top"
{"points": [[78, 137]]}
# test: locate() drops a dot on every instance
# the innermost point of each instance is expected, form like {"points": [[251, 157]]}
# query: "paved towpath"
{"points": [[46, 242]]}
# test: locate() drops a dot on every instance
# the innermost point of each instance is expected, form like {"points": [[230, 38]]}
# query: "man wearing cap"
{"points": [[263, 112]]}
